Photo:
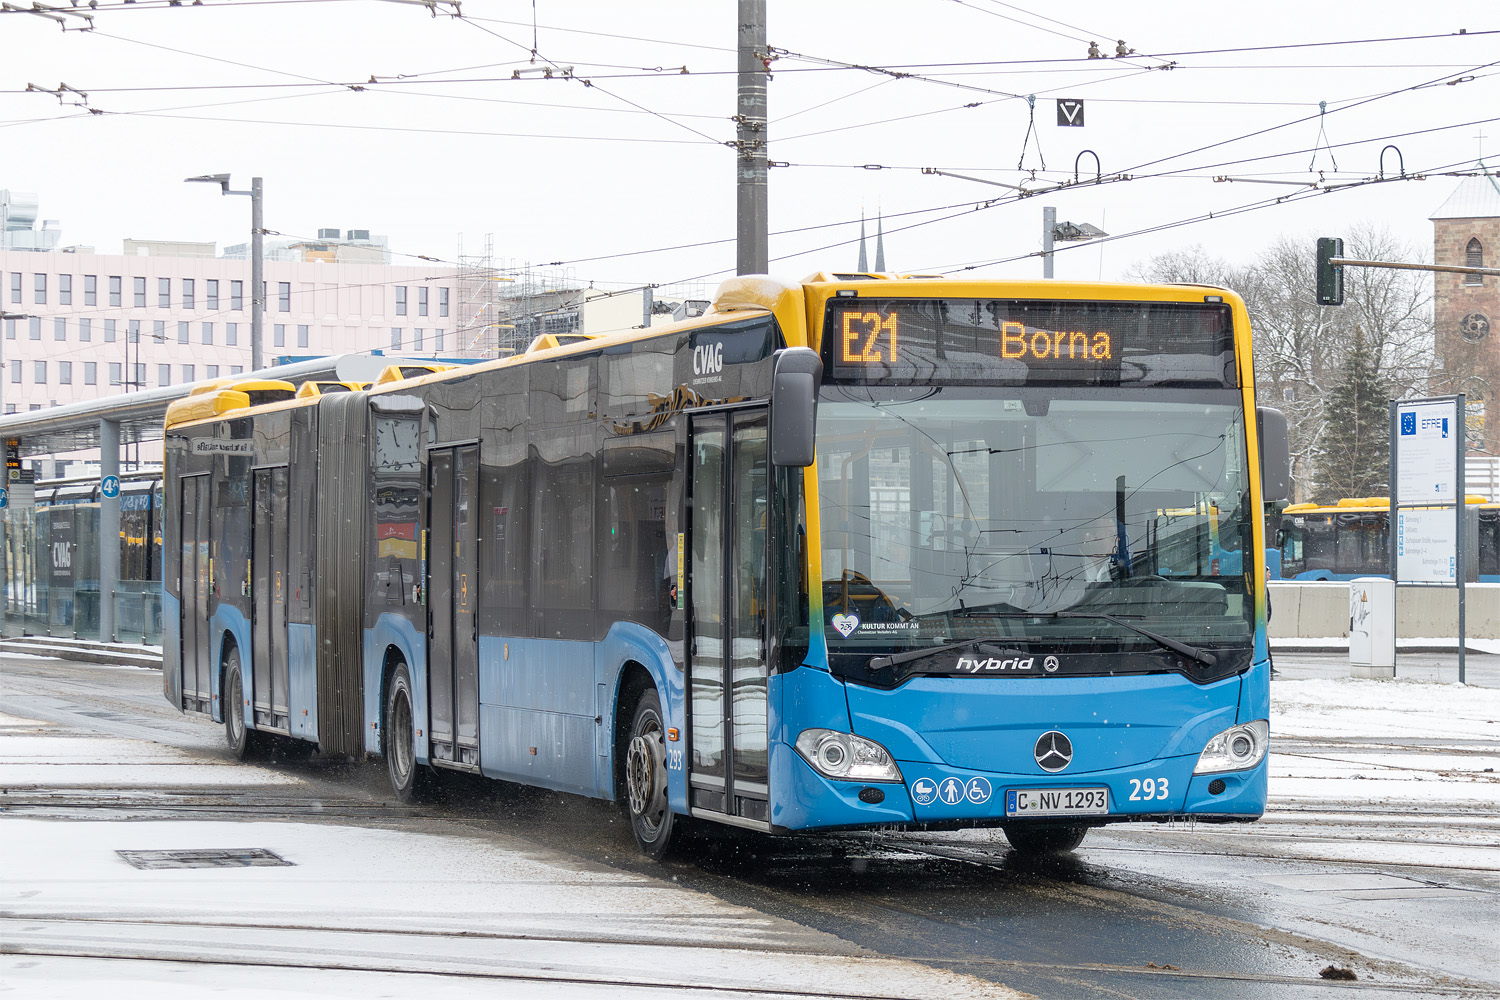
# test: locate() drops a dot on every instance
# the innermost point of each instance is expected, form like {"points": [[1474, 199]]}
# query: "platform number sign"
{"points": [[109, 487]]}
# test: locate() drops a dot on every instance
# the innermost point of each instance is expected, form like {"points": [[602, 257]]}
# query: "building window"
{"points": [[422, 301], [189, 293], [139, 378], [284, 296], [278, 335], [65, 373], [416, 339], [437, 341], [65, 289], [236, 369], [34, 327], [187, 373], [211, 293], [237, 295], [10, 408], [1474, 257], [114, 289], [115, 373], [15, 286], [109, 331], [302, 339], [140, 292], [164, 292], [39, 372], [232, 334], [442, 301], [90, 373], [133, 331], [208, 333], [85, 330], [15, 372], [184, 332], [159, 331], [210, 371], [163, 374], [59, 328], [41, 289], [34, 407], [91, 289], [400, 300], [396, 337], [10, 329]]}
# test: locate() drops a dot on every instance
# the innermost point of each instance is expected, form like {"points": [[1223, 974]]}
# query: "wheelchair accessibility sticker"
{"points": [[978, 791]]}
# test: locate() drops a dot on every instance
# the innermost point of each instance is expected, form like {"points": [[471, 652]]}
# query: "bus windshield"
{"points": [[1048, 520]]}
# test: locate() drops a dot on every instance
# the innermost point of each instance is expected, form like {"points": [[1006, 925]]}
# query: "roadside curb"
{"points": [[85, 651]]}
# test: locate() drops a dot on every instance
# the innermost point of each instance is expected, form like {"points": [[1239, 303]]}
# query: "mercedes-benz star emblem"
{"points": [[1054, 751], [1050, 664]]}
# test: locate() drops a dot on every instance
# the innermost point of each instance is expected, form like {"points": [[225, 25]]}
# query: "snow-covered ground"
{"points": [[362, 912]]}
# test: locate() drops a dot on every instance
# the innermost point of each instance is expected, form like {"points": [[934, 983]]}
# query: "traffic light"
{"points": [[1330, 276]]}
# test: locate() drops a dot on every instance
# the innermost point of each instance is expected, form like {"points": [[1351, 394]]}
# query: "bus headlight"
{"points": [[1236, 748], [846, 756]]}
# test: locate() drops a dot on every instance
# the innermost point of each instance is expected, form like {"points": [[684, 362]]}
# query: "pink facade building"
{"points": [[82, 325]]}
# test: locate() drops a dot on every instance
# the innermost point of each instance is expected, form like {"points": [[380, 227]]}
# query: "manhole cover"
{"points": [[1363, 885], [244, 857]]}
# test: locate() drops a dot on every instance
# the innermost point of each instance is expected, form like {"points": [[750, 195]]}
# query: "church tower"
{"points": [[1466, 307]]}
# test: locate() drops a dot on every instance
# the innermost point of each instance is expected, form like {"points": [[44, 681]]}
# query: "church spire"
{"points": [[864, 261], [879, 241]]}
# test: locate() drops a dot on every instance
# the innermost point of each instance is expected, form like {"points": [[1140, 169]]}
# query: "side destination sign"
{"points": [[222, 446]]}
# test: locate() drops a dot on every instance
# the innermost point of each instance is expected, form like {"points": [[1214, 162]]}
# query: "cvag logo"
{"points": [[708, 359], [974, 665]]}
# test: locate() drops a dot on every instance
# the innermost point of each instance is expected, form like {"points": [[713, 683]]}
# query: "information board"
{"points": [[1425, 549], [1427, 451]]}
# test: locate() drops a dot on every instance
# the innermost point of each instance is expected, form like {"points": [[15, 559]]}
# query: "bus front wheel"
{"points": [[409, 779], [1044, 838], [655, 827]]}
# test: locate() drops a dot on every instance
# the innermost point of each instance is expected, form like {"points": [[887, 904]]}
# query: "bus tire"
{"points": [[244, 743], [1033, 840], [409, 779], [657, 830]]}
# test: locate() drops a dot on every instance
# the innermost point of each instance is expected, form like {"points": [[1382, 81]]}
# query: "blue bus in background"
{"points": [[1350, 539], [855, 552]]}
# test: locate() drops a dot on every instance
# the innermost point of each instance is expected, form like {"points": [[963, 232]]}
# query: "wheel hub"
{"points": [[642, 765]]}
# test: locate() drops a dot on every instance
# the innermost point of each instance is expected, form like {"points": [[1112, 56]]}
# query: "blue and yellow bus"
{"points": [[1351, 538], [860, 551]]}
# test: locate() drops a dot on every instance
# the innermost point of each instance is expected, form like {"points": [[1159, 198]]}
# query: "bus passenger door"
{"points": [[193, 586], [269, 586], [727, 666], [453, 605]]}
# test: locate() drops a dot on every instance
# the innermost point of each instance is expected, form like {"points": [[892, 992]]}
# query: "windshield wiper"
{"points": [[1203, 656], [881, 662]]}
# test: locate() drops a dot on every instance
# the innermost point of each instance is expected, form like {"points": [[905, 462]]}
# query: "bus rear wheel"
{"points": [[1035, 840], [657, 830], [244, 742], [409, 779]]}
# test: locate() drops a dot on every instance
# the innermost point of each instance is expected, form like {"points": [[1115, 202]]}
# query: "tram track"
{"points": [[50, 941]]}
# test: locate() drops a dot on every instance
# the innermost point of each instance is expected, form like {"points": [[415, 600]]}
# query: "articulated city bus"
{"points": [[1351, 538], [861, 551]]}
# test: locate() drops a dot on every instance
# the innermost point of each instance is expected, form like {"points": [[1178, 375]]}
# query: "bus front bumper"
{"points": [[935, 795]]}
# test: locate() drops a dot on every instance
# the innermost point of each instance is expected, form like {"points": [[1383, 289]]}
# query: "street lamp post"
{"points": [[257, 258], [1067, 232], [4, 318]]}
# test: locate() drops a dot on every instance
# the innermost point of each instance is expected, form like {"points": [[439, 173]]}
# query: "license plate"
{"points": [[1057, 802]]}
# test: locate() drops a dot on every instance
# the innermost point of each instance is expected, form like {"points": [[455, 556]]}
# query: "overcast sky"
{"points": [[446, 149]]}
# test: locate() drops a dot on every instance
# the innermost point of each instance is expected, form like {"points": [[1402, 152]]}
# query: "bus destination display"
{"points": [[1022, 341]]}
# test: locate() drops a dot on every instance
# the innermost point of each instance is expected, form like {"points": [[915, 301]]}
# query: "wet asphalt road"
{"points": [[1151, 912]]}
